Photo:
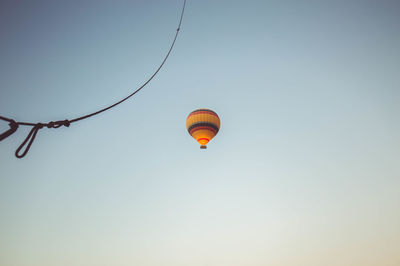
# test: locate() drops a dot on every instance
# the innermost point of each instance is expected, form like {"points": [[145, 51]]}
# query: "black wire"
{"points": [[37, 126], [144, 84]]}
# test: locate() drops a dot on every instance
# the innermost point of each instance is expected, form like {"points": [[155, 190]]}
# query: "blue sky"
{"points": [[304, 170]]}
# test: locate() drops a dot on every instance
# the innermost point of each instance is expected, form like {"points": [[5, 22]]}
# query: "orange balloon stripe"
{"points": [[203, 133], [203, 128], [202, 118], [203, 112]]}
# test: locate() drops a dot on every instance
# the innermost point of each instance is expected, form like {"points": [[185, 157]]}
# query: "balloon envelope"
{"points": [[203, 125]]}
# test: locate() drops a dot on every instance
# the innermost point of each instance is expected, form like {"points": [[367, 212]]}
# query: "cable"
{"points": [[37, 126]]}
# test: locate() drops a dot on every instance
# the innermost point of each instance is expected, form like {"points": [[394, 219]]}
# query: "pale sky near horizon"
{"points": [[304, 171]]}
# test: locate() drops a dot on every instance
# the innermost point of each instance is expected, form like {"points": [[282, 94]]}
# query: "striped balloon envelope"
{"points": [[203, 125]]}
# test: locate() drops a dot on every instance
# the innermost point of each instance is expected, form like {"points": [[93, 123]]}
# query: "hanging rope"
{"points": [[23, 149]]}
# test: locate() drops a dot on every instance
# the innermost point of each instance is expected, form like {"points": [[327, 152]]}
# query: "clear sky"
{"points": [[304, 171]]}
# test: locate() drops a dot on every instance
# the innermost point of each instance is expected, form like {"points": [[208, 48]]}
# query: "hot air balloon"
{"points": [[203, 125]]}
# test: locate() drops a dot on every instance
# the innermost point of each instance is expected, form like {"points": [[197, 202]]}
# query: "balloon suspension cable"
{"points": [[23, 149]]}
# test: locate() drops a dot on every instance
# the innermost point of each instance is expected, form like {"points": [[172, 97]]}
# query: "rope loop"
{"points": [[31, 137], [27, 143]]}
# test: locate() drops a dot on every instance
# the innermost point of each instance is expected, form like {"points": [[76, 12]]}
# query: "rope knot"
{"points": [[58, 124], [66, 123]]}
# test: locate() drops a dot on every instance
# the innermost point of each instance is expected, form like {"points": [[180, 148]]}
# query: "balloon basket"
{"points": [[203, 147]]}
